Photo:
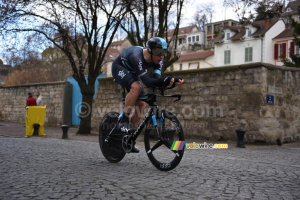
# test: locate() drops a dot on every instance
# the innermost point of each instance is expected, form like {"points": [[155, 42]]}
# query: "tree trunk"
{"points": [[86, 114]]}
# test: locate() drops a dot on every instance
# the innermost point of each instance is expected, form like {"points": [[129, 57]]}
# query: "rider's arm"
{"points": [[157, 81], [154, 82], [157, 70]]}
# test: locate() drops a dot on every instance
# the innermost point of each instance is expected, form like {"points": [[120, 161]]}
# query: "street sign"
{"points": [[270, 99]]}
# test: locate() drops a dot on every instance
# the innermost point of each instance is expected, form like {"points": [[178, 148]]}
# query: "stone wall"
{"points": [[13, 102], [217, 101]]}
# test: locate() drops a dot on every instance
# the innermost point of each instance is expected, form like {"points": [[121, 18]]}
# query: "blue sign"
{"points": [[270, 99]]}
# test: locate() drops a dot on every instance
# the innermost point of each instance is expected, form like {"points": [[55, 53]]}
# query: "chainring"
{"points": [[127, 143]]}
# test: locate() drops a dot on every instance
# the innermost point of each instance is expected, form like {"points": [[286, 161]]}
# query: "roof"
{"points": [[239, 33], [117, 43], [261, 26], [288, 32], [183, 30], [222, 22], [293, 5], [241, 30], [199, 55], [219, 37]]}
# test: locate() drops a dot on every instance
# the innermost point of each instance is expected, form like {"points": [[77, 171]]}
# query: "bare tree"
{"points": [[53, 61], [204, 15], [148, 18], [245, 9], [63, 23]]}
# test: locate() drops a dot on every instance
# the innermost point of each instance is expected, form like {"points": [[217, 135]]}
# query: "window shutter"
{"points": [[284, 50], [292, 50], [276, 51]]}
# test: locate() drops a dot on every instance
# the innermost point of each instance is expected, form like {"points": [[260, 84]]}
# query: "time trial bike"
{"points": [[163, 136]]}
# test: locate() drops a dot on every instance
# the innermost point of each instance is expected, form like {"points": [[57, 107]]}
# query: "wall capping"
{"points": [[35, 84]]}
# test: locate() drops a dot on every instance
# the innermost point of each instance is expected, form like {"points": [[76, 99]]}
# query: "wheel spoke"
{"points": [[167, 144], [158, 144]]}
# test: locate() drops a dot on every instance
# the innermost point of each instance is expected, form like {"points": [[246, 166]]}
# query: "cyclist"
{"points": [[129, 70]]}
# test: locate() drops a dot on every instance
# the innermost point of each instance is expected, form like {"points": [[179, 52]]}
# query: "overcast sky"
{"points": [[191, 7], [221, 13]]}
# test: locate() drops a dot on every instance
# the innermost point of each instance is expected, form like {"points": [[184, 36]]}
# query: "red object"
{"points": [[292, 48], [284, 50], [31, 101], [276, 52]]}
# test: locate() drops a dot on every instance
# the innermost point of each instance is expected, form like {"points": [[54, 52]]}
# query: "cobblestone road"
{"points": [[47, 168]]}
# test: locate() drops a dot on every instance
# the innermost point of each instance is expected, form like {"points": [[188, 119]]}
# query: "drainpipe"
{"points": [[261, 54]]}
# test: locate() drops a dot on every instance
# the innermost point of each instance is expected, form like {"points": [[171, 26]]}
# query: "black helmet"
{"points": [[157, 46]]}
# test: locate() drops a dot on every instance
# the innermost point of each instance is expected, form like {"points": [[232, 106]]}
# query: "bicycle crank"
{"points": [[127, 143]]}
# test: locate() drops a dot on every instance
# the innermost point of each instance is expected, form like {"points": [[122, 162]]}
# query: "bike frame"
{"points": [[152, 112]]}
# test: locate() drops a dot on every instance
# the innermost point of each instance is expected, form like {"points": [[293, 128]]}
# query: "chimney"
{"points": [[267, 22]]}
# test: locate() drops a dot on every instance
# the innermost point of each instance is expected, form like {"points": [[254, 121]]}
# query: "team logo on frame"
{"points": [[178, 145]]}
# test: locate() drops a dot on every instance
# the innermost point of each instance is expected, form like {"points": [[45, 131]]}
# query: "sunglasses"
{"points": [[159, 52]]}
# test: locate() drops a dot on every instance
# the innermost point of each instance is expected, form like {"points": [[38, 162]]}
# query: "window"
{"points": [[209, 29], [227, 57], [280, 51], [227, 36], [248, 54], [197, 38], [189, 39], [216, 27], [180, 41], [193, 65], [194, 39], [297, 50], [180, 67], [249, 33]]}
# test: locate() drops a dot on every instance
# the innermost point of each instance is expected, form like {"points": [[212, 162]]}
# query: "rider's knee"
{"points": [[141, 104], [136, 86]]}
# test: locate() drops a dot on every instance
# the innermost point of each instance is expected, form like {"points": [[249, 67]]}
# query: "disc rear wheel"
{"points": [[111, 147]]}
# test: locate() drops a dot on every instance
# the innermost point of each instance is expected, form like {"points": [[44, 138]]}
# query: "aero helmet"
{"points": [[157, 46]]}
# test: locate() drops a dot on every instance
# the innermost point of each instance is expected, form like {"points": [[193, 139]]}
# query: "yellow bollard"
{"points": [[35, 115]]}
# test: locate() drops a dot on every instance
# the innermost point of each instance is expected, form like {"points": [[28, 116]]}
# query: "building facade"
{"points": [[194, 60], [252, 42], [190, 38], [213, 29]]}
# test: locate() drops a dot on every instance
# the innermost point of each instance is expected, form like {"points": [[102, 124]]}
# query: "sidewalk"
{"points": [[8, 129]]}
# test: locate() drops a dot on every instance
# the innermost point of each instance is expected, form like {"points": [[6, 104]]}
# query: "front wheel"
{"points": [[111, 147], [165, 144]]}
